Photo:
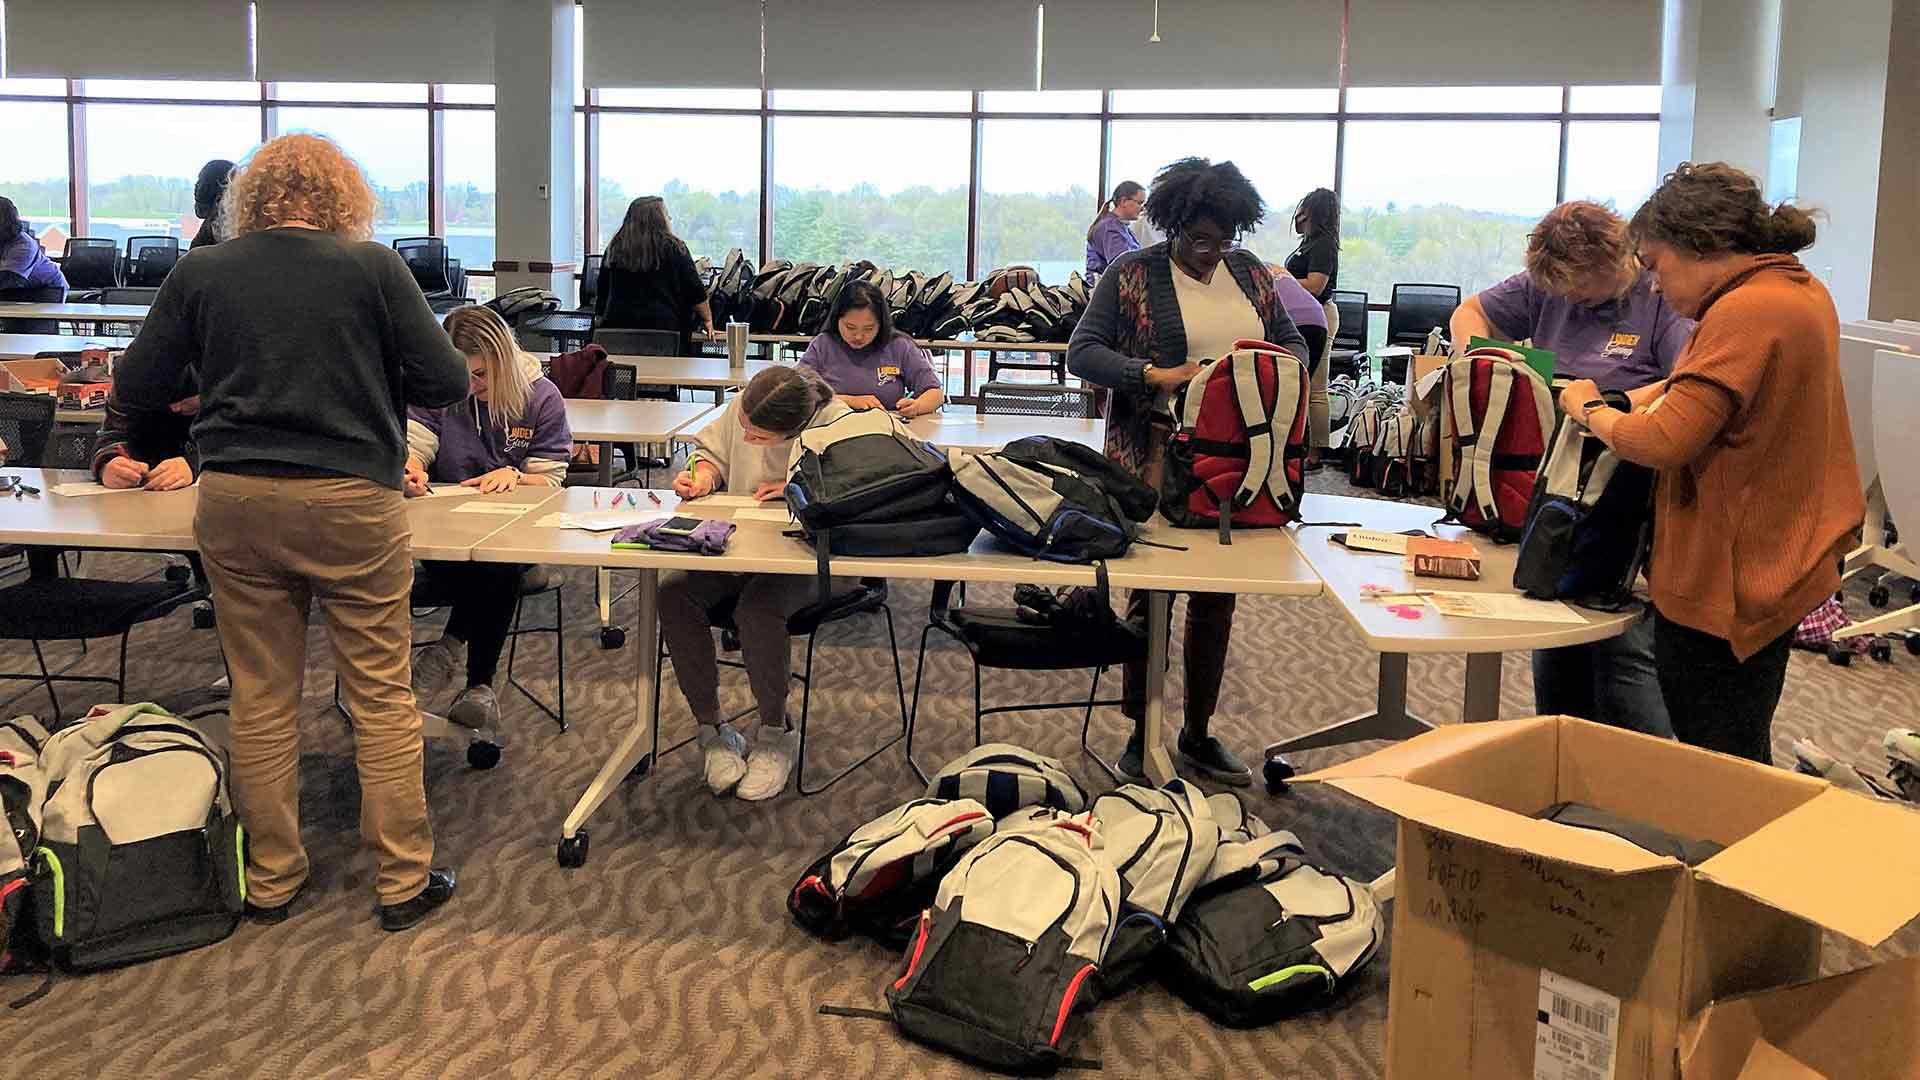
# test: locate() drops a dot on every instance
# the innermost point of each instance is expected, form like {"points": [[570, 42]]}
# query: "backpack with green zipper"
{"points": [[140, 853]]}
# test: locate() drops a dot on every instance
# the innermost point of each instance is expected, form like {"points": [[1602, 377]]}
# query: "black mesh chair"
{"points": [[426, 259], [1351, 342], [429, 593], [1417, 309], [91, 262], [620, 377], [868, 597], [590, 281], [1030, 399], [50, 607], [150, 259]]}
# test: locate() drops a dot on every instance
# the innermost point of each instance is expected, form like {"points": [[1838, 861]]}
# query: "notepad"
{"points": [[778, 516], [1464, 605], [491, 508]]}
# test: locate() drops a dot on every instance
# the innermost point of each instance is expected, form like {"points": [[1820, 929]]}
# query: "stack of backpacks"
{"points": [[1391, 446], [1019, 904], [1008, 305]]}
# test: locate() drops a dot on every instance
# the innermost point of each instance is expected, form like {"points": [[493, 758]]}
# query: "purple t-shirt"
{"points": [[1111, 239], [470, 443], [1301, 307], [886, 372], [1621, 344], [25, 257]]}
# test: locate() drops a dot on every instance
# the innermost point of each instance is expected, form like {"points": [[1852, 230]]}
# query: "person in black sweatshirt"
{"points": [[309, 342]]}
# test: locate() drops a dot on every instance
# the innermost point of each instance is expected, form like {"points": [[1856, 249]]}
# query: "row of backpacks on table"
{"points": [[1009, 304], [1018, 904]]}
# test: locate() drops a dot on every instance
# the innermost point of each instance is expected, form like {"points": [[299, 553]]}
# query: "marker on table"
{"points": [[655, 498]]}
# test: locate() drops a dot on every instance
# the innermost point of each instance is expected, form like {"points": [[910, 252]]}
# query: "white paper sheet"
{"points": [[491, 508], [777, 515], [448, 491], [598, 520], [88, 487], [1465, 605], [723, 500]]}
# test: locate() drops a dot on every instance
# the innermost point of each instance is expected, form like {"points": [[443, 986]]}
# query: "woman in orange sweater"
{"points": [[1758, 498]]}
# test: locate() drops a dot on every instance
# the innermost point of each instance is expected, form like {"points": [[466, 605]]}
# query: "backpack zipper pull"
{"points": [[1026, 959]]}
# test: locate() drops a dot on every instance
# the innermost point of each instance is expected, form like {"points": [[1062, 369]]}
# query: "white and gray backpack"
{"points": [[140, 853], [1008, 959], [1005, 778], [1268, 934], [1161, 841], [880, 878], [23, 792]]}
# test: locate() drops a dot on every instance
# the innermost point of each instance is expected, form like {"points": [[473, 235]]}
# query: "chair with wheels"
{"points": [[426, 259], [1417, 309], [1351, 342], [91, 262], [590, 281], [150, 259], [869, 596]]}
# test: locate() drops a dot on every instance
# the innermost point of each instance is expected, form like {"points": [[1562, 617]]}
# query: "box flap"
{"points": [[1847, 862], [1403, 758], [1768, 1062], [1813, 1026], [1503, 828]]}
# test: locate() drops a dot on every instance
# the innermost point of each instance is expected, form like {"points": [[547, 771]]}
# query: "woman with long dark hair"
{"points": [[1315, 264], [208, 189], [869, 364], [26, 273], [1108, 237], [648, 281]]}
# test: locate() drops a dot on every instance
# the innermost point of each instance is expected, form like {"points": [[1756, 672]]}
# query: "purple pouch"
{"points": [[709, 538]]}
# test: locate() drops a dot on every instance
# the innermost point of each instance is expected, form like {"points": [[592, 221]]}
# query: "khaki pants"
{"points": [[762, 603], [271, 547], [1319, 422]]}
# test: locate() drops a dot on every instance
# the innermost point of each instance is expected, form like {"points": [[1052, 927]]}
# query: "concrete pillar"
{"points": [[1850, 69], [1716, 74], [533, 145]]}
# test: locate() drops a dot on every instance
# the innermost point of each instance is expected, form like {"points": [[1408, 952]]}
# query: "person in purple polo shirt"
{"points": [[1584, 297], [869, 364], [1111, 234], [1307, 313], [511, 430], [26, 273]]}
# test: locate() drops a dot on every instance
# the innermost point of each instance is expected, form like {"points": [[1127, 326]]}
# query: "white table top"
{"points": [[28, 346], [633, 421], [957, 430], [441, 530], [931, 345], [1260, 562], [1345, 572], [124, 313], [704, 372]]}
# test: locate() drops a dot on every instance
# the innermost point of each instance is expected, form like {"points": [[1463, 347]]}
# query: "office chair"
{"points": [[150, 259], [141, 296], [590, 281], [91, 262], [1028, 399], [1351, 342], [426, 258], [1416, 310]]}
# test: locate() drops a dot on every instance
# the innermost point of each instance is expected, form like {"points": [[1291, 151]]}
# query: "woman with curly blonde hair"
{"points": [[310, 342]]}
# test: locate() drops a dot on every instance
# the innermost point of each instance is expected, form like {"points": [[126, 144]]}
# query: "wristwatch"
{"points": [[1586, 409]]}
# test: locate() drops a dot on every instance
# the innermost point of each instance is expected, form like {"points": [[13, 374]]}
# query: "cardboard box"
{"points": [[1857, 1025], [41, 376], [1536, 951]]}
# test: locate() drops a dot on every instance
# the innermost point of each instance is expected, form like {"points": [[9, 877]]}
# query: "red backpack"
{"points": [[1496, 413], [1239, 451]]}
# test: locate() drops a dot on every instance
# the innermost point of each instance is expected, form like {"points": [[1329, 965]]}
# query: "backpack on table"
{"points": [[140, 854], [1006, 779], [1588, 525], [1161, 842], [1007, 961], [1496, 415], [1052, 499], [1239, 447], [1268, 935], [862, 484], [880, 878]]}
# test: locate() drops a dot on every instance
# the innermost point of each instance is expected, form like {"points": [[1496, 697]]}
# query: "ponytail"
{"points": [[1783, 230], [1125, 189]]}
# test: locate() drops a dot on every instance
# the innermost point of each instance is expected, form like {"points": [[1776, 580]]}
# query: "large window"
{"points": [[707, 168], [1613, 162], [1039, 184], [142, 161], [466, 186], [892, 191], [1284, 159], [391, 146], [34, 171]]}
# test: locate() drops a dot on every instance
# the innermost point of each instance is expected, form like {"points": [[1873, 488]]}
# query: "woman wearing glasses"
{"points": [[1109, 237], [1156, 316]]}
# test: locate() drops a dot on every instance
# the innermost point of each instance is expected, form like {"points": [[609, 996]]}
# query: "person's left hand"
{"points": [[170, 475], [909, 407], [186, 406], [504, 478], [770, 490], [1576, 394]]}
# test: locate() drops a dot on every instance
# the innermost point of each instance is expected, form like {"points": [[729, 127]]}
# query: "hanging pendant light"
{"points": [[1156, 23]]}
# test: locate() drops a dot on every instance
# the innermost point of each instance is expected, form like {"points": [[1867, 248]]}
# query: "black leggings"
{"points": [[1714, 700], [484, 596]]}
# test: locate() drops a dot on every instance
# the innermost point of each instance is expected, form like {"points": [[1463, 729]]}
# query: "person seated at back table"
{"points": [[869, 364], [511, 430], [1585, 297], [744, 451]]}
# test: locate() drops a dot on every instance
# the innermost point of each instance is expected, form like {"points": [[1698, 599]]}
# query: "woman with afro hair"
{"points": [[1156, 316]]}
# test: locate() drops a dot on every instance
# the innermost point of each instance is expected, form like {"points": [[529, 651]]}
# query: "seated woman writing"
{"points": [[744, 451], [869, 364], [511, 430]]}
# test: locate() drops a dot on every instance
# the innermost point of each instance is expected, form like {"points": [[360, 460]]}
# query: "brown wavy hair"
{"points": [[299, 178], [783, 400], [1714, 208], [1574, 240]]}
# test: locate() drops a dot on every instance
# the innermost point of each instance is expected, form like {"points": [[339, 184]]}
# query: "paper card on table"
{"points": [[1387, 543], [88, 487], [1465, 605], [598, 520], [723, 500], [491, 508], [448, 491], [778, 515]]}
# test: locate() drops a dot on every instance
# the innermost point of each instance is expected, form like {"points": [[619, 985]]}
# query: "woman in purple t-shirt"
{"points": [[869, 364]]}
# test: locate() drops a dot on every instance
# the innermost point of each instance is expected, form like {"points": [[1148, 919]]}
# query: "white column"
{"points": [[533, 79], [1716, 73]]}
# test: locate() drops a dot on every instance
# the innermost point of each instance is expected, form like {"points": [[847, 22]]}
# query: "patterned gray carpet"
{"points": [[671, 953]]}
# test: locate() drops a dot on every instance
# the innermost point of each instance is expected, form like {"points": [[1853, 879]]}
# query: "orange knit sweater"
{"points": [[1759, 497]]}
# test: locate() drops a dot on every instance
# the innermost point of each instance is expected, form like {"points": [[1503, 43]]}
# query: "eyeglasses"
{"points": [[1202, 247]]}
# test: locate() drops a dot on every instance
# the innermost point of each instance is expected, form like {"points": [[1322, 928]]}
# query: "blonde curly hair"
{"points": [[299, 178]]}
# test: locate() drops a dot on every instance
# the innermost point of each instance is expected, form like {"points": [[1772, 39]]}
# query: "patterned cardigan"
{"points": [[1133, 321]]}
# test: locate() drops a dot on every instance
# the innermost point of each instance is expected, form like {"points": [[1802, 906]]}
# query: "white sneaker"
{"points": [[433, 669], [725, 751], [769, 766]]}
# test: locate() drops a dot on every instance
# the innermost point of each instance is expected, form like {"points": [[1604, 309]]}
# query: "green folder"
{"points": [[1540, 360]]}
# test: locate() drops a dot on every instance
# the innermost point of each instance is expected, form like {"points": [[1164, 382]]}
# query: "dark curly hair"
{"points": [[1194, 188], [1322, 209], [1712, 208]]}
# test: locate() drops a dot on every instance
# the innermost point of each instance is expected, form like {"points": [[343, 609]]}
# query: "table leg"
{"points": [[1388, 720], [1159, 766], [606, 464], [634, 745], [603, 595], [1483, 688]]}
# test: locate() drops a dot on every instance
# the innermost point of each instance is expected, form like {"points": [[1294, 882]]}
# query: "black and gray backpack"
{"points": [[1589, 523], [1006, 778], [1268, 934], [1161, 841], [140, 853], [862, 484], [1052, 499], [1007, 961], [878, 880]]}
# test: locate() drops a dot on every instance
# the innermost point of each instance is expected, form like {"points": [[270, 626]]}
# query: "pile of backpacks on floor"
{"points": [[1020, 904], [122, 843], [1008, 305], [1390, 446]]}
